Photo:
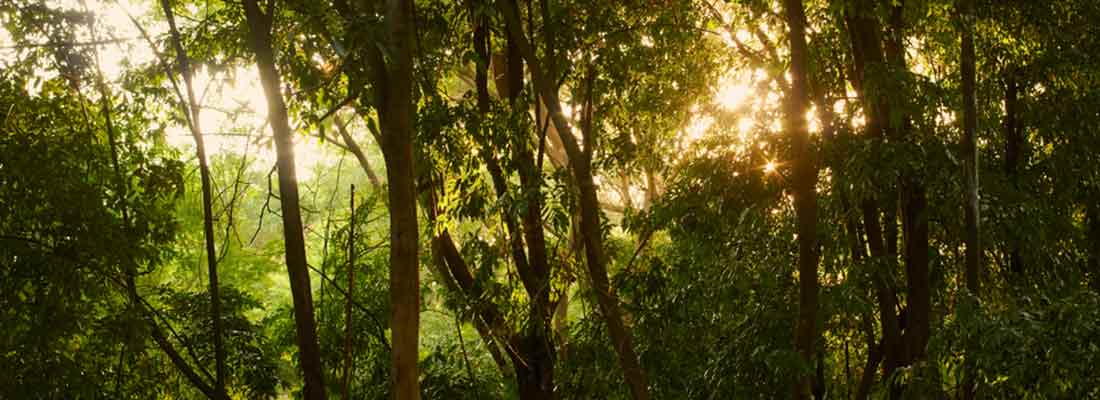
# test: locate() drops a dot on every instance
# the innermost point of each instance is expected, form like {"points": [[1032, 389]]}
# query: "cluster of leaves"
{"points": [[66, 245]]}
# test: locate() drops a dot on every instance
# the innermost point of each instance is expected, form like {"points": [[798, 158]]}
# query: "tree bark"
{"points": [[970, 170], [1014, 160], [969, 146], [259, 39], [350, 298], [392, 84], [864, 32], [193, 122], [970, 151], [874, 356], [914, 208], [1093, 234], [805, 196], [580, 164], [918, 326], [534, 355]]}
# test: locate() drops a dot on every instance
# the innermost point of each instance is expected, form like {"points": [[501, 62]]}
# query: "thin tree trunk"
{"points": [[259, 27], [490, 320], [350, 297], [914, 205], [805, 197], [535, 354], [1014, 159], [864, 32], [130, 268], [1093, 234], [449, 266], [580, 164], [188, 372], [353, 147], [970, 171], [970, 152], [193, 120], [874, 356]]}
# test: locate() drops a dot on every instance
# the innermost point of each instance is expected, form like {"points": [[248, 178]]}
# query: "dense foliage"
{"points": [[588, 199]]}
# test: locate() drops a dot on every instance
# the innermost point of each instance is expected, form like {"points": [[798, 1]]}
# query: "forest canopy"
{"points": [[549, 199]]}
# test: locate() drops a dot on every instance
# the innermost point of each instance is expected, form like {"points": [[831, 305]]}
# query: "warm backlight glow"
{"points": [[234, 113], [732, 92], [770, 167]]}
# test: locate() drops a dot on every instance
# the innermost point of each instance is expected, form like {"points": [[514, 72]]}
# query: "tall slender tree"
{"points": [[970, 148], [865, 35], [1014, 158], [805, 196], [346, 381], [259, 39], [191, 115]]}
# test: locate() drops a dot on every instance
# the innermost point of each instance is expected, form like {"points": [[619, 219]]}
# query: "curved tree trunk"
{"points": [[580, 164]]}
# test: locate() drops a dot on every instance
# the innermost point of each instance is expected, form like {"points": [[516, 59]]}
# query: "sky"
{"points": [[218, 93]]}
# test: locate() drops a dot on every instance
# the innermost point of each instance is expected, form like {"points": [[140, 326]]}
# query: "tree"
{"points": [[392, 82], [259, 39], [970, 150], [580, 164], [695, 200], [191, 115], [804, 187]]}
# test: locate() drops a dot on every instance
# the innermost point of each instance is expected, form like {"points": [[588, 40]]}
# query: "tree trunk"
{"points": [[259, 26], [874, 356], [864, 32], [805, 197], [192, 117], [353, 147], [350, 298], [1014, 159], [534, 355], [580, 164], [392, 84], [446, 259], [970, 152], [534, 364], [914, 208], [918, 325], [969, 146], [1093, 221]]}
